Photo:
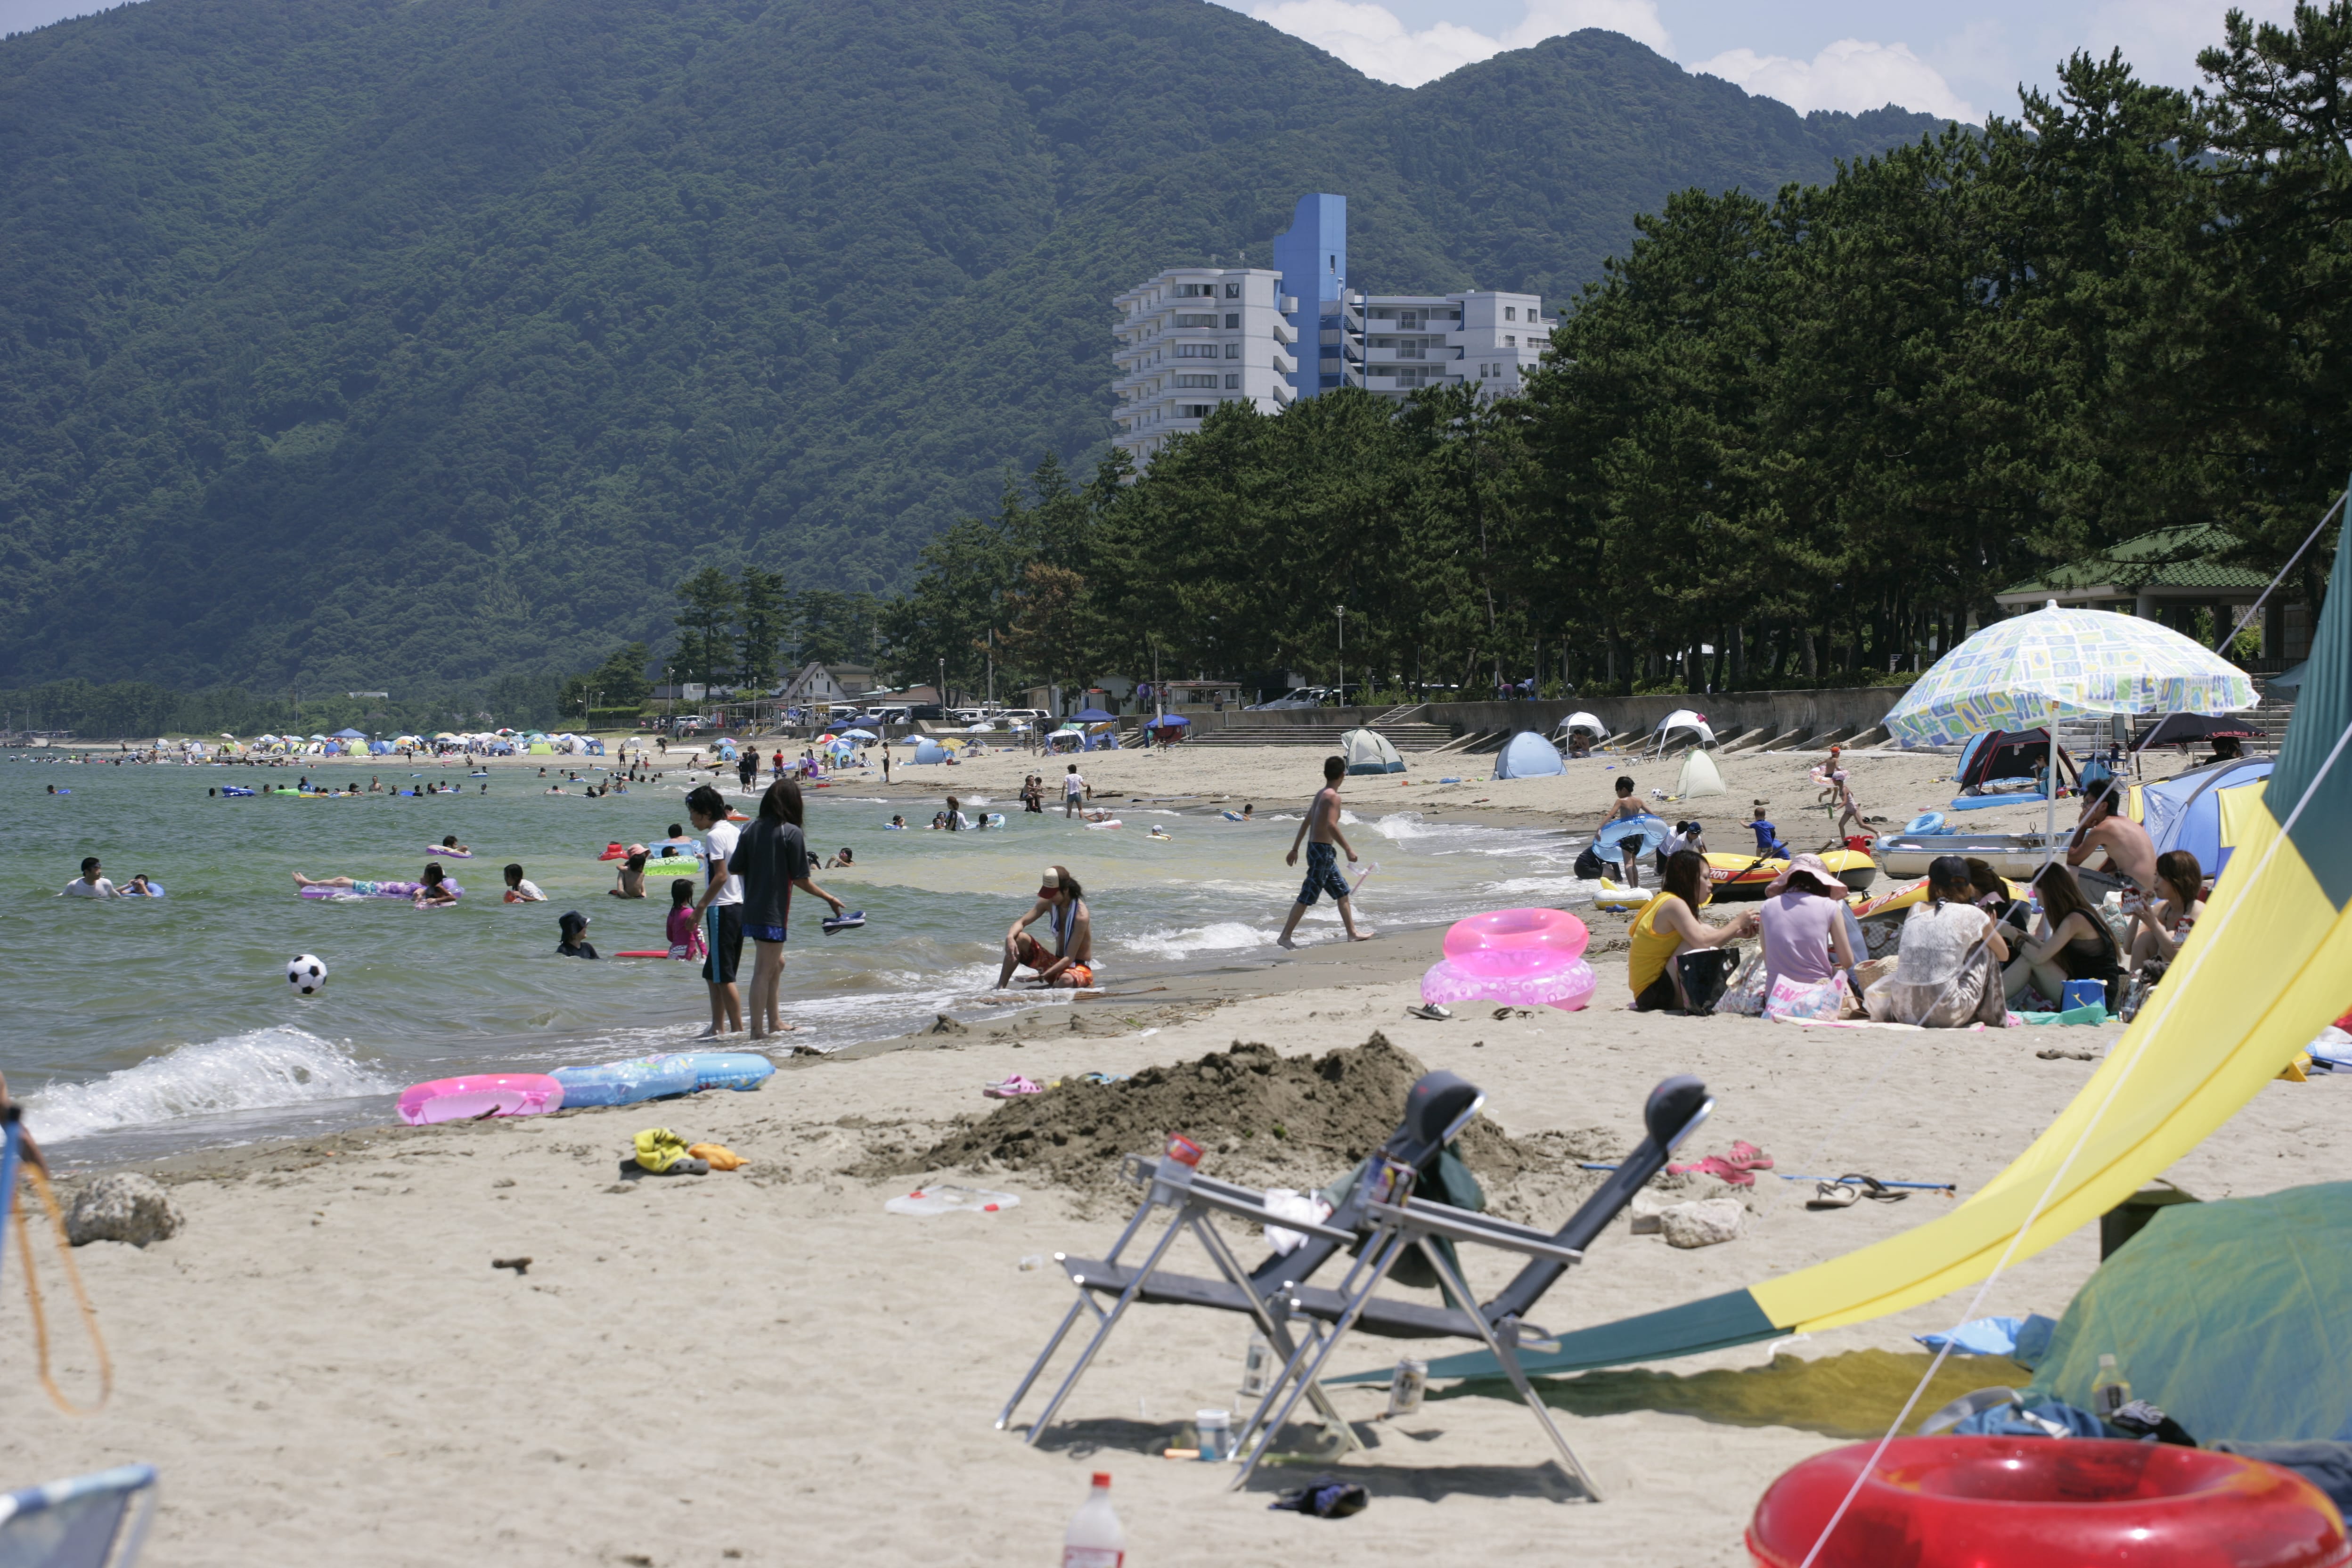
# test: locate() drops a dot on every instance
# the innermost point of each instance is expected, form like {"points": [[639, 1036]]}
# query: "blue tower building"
{"points": [[1313, 261]]}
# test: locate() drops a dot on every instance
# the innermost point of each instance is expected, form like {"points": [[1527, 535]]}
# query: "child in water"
{"points": [[572, 936], [685, 931], [522, 889]]}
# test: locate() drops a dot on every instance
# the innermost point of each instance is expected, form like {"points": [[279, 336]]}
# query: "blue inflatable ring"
{"points": [[1925, 825]]}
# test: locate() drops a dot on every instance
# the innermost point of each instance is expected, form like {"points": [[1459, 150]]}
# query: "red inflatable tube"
{"points": [[2040, 1502]]}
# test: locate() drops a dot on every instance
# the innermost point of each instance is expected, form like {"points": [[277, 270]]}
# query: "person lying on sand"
{"points": [[1061, 902]]}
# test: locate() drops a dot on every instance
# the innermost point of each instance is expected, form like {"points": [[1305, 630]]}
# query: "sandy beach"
{"points": [[765, 1366]]}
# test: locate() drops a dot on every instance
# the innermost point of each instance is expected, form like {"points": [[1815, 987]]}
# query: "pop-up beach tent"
{"points": [[1700, 776], [1684, 726], [1369, 752], [1579, 719], [2261, 974], [1527, 756], [2184, 811]]}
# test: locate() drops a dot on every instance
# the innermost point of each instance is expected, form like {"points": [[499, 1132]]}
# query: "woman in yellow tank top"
{"points": [[1669, 924]]}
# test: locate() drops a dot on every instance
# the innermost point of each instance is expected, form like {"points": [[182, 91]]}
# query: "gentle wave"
{"points": [[257, 1071], [1225, 936]]}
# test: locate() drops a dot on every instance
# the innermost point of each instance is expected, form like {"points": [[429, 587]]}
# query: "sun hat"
{"points": [[1812, 868]]}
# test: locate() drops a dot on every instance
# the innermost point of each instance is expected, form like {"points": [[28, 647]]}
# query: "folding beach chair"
{"points": [[1401, 1221], [90, 1522], [1436, 1109]]}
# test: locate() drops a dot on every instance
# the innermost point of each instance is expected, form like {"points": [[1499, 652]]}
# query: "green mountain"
{"points": [[384, 342]]}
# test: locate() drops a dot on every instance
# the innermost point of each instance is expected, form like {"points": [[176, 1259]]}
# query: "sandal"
{"points": [[1717, 1166], [1746, 1156], [1431, 1011], [1851, 1189], [1012, 1087]]}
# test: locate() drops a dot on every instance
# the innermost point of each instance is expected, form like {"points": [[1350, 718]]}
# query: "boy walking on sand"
{"points": [[1321, 832]]}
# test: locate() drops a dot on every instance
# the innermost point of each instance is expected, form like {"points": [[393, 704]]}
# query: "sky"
{"points": [[1963, 61]]}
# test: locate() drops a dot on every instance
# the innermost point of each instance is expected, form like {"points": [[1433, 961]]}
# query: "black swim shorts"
{"points": [[724, 924]]}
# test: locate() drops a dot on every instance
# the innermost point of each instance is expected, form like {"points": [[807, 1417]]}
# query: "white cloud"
{"points": [[2160, 37], [1851, 74], [1371, 38]]}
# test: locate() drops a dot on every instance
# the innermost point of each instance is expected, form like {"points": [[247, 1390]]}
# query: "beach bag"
{"points": [[1703, 977], [1800, 999], [1745, 994]]}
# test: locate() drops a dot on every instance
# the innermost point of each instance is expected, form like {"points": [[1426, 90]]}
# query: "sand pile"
{"points": [[1262, 1117]]}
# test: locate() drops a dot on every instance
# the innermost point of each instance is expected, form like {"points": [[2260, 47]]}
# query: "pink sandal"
{"points": [[1012, 1087], [1746, 1156], [1717, 1166]]}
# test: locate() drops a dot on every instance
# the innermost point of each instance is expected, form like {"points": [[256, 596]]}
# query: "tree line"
{"points": [[1802, 440]]}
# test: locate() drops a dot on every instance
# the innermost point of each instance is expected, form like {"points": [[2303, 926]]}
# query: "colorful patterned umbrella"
{"points": [[2057, 664]]}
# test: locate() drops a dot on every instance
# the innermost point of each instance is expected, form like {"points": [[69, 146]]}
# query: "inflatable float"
{"points": [[1925, 822], [379, 891], [238, 792], [740, 1070], [2086, 1502], [1524, 958], [647, 952], [1613, 897], [472, 1097], [673, 866], [625, 1083], [1746, 877], [451, 854]]}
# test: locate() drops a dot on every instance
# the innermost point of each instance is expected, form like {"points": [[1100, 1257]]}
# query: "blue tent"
{"points": [[350, 734], [2184, 811], [2227, 1316], [380, 748], [929, 751], [1527, 756]]}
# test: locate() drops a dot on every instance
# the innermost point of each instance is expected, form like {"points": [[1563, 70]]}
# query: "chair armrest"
{"points": [[1441, 1221]]}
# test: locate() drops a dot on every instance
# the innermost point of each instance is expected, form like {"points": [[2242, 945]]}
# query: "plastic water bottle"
{"points": [[2110, 1391], [1095, 1538]]}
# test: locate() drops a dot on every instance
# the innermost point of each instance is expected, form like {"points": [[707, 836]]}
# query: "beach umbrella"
{"points": [[857, 735], [2054, 664], [1091, 715]]}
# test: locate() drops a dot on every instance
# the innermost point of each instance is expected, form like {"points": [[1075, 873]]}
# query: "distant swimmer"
{"points": [[449, 846], [139, 886], [846, 857], [89, 884], [898, 823], [1159, 832], [1061, 902]]}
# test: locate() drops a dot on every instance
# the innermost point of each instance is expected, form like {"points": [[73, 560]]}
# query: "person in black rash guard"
{"points": [[772, 858], [571, 939]]}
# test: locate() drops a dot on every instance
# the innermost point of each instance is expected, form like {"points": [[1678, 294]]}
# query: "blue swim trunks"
{"points": [[1322, 873]]}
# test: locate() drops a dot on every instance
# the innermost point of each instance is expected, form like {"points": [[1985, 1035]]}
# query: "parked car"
{"points": [[1299, 697]]}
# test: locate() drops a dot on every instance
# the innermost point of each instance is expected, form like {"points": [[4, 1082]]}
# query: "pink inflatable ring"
{"points": [[2086, 1502], [1554, 931], [1521, 958], [483, 1094]]}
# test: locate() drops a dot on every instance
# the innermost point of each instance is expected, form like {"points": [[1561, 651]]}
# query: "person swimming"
{"points": [[897, 822], [846, 857], [449, 842], [571, 935]]}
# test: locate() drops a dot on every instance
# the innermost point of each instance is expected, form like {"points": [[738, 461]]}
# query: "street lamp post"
{"points": [[1342, 611]]}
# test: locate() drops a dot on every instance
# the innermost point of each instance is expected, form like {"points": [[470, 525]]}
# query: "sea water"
{"points": [[140, 1026]]}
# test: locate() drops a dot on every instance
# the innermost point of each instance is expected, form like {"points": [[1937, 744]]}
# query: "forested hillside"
{"points": [[410, 342]]}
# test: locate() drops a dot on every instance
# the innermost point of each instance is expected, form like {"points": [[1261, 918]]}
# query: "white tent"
{"points": [[1681, 724], [1369, 752], [1700, 776], [1581, 720]]}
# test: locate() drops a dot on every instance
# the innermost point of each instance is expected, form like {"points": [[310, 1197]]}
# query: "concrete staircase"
{"points": [[1253, 730]]}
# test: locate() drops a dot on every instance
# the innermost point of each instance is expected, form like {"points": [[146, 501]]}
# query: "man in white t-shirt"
{"points": [[721, 908], [89, 884], [1073, 791]]}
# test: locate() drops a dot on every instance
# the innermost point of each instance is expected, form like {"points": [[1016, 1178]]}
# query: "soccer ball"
{"points": [[307, 975]]}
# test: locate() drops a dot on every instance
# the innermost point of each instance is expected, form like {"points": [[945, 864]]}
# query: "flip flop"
{"points": [[1746, 1156], [1849, 1190], [1431, 1011], [849, 921]]}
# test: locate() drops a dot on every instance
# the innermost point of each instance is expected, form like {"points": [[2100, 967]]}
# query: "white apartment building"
{"points": [[1193, 337], [1398, 343]]}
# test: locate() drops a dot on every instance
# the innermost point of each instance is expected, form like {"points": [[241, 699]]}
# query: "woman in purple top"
{"points": [[1804, 925]]}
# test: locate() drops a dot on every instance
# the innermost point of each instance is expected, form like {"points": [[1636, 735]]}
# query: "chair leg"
{"points": [[1276, 1333], [1110, 1321], [1509, 1356], [1298, 1381], [1004, 1416]]}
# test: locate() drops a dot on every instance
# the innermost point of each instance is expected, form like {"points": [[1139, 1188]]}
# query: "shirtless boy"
{"points": [[1322, 835]]}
